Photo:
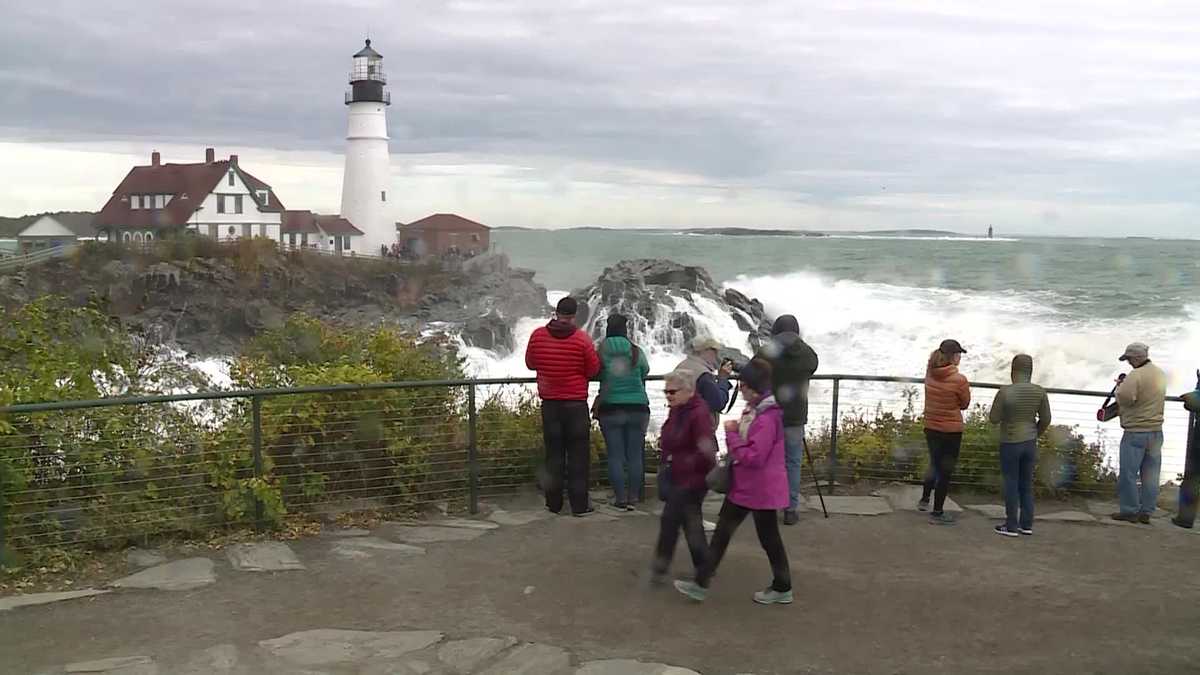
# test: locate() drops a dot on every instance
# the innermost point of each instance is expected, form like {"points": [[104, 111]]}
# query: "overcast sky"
{"points": [[1038, 117]]}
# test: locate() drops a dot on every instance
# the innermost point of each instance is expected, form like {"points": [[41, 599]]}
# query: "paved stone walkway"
{"points": [[331, 650], [334, 650]]}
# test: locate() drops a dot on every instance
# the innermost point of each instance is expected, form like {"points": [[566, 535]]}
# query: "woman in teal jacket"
{"points": [[623, 410]]}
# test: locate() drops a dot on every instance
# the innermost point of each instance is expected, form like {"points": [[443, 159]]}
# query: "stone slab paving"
{"points": [[263, 556], [121, 665], [138, 557], [180, 575], [465, 656], [467, 523], [354, 547], [628, 667], [905, 498], [532, 659], [852, 506], [518, 518], [428, 534], [1065, 516], [993, 511], [30, 599], [331, 646]]}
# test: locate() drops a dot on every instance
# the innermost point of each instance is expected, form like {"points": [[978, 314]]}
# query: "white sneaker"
{"points": [[773, 597]]}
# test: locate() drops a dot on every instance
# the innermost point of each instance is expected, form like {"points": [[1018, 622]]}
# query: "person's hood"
{"points": [[786, 323], [1022, 369], [695, 364], [561, 329], [790, 344], [944, 372]]}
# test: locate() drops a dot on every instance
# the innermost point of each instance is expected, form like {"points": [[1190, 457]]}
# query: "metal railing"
{"points": [[119, 470]]}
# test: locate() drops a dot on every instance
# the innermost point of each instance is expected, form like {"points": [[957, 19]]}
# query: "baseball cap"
{"points": [[951, 347], [566, 307], [703, 342], [1135, 350]]}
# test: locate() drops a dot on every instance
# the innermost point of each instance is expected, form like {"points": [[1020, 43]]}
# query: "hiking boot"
{"points": [[691, 589], [583, 514], [773, 597], [1179, 522], [941, 519], [1144, 518], [923, 505], [790, 517], [1028, 532], [1125, 517], [1003, 531], [630, 507]]}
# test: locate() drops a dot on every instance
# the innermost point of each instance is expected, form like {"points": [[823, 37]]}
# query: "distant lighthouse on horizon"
{"points": [[367, 173]]}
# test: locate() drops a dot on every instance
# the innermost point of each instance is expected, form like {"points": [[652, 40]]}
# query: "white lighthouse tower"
{"points": [[365, 181]]}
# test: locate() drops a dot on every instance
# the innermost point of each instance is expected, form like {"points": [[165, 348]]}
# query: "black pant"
{"points": [[766, 524], [943, 457], [566, 429], [682, 511], [1189, 490]]}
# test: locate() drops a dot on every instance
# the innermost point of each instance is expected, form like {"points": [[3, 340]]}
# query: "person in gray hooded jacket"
{"points": [[1022, 409]]}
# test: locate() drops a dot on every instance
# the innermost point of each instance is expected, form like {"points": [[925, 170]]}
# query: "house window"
{"points": [[291, 239], [475, 237], [166, 199], [264, 196], [135, 201], [220, 203], [231, 176], [237, 203], [383, 195], [149, 236], [304, 239], [125, 236], [137, 237], [346, 243], [232, 231]]}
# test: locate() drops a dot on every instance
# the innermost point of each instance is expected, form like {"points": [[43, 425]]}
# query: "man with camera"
{"points": [[712, 375], [1141, 400], [793, 363]]}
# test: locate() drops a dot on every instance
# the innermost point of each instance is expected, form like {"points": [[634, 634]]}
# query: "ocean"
{"points": [[880, 304]]}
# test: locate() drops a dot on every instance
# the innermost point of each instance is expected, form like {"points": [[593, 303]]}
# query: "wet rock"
{"points": [[661, 299], [490, 331]]}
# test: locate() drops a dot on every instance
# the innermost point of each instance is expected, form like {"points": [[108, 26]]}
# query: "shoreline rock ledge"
{"points": [[661, 298]]}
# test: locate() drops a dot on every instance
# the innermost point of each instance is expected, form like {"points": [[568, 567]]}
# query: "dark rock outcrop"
{"points": [[661, 298], [210, 306]]}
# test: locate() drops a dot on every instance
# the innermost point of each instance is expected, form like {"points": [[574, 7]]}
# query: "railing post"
{"points": [[472, 452], [256, 416], [833, 434]]}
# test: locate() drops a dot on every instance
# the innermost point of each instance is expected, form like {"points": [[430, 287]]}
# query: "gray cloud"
{"points": [[837, 106]]}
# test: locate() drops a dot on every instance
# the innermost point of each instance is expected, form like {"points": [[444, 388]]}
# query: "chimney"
{"points": [[155, 158], [210, 155], [233, 161]]}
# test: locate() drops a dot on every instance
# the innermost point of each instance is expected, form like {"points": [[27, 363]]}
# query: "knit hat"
{"points": [[757, 375], [618, 326]]}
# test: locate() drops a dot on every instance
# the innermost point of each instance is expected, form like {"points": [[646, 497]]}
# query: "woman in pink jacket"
{"points": [[759, 487]]}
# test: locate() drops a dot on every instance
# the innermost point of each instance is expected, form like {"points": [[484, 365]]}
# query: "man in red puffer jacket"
{"points": [[565, 360]]}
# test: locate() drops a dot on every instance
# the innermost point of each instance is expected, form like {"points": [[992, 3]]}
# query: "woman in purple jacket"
{"points": [[759, 487], [689, 449]]}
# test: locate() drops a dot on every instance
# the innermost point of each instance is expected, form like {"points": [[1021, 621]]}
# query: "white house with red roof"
{"points": [[215, 198]]}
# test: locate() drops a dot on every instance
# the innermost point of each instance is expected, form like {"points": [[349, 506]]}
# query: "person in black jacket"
{"points": [[793, 363]]}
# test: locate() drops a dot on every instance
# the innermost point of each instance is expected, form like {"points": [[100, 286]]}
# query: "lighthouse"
{"points": [[367, 172]]}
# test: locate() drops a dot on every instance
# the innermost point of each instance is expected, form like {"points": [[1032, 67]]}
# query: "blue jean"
{"points": [[1016, 464], [793, 445], [1141, 455], [625, 441]]}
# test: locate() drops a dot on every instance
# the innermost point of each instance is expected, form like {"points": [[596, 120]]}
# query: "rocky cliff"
{"points": [[211, 305]]}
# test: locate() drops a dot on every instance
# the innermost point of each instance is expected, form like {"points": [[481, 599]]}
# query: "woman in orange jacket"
{"points": [[947, 394]]}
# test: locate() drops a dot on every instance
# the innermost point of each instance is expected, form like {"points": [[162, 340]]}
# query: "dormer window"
{"points": [[264, 197], [135, 202], [231, 176]]}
